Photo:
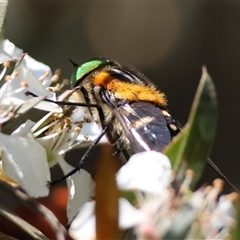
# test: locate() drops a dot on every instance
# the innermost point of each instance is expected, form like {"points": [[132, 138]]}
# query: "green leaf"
{"points": [[235, 233], [192, 146], [3, 10]]}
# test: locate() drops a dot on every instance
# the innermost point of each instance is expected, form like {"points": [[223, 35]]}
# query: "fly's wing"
{"points": [[146, 126]]}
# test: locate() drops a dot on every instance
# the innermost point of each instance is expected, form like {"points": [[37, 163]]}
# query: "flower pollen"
{"points": [[59, 136], [56, 75], [45, 75], [11, 115], [7, 78], [24, 84], [66, 82], [77, 129], [6, 64]]}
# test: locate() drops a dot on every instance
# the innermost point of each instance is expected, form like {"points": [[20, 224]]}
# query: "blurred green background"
{"points": [[168, 41]]}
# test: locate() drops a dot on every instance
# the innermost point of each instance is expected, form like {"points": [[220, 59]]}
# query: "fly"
{"points": [[127, 106]]}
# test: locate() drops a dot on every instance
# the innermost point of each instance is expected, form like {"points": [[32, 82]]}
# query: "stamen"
{"points": [[69, 144], [44, 128], [77, 129], [45, 75], [59, 140], [68, 120], [65, 82], [14, 74], [59, 116], [68, 126], [55, 78], [218, 184], [11, 115], [52, 135], [57, 88], [40, 122], [56, 75], [7, 78], [24, 84], [189, 174], [68, 148], [6, 64]]}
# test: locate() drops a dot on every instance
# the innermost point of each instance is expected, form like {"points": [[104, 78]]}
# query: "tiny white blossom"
{"points": [[155, 170], [163, 213], [146, 171]]}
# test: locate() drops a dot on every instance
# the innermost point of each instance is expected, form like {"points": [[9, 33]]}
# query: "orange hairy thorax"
{"points": [[128, 91]]}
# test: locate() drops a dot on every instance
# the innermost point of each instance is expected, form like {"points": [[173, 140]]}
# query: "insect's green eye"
{"points": [[87, 68]]}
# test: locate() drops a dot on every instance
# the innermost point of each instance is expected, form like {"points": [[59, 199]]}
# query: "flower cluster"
{"points": [[160, 211], [50, 137]]}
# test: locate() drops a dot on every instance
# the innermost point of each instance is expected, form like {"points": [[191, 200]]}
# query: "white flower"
{"points": [[146, 171], [41, 146], [60, 137], [50, 137], [8, 51], [13, 91], [163, 212]]}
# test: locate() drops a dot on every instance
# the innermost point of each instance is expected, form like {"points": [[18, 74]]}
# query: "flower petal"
{"points": [[34, 85], [83, 225], [25, 161], [129, 215], [80, 188], [29, 71], [10, 49], [38, 69], [24, 129], [147, 171]]}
